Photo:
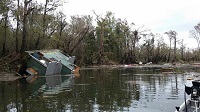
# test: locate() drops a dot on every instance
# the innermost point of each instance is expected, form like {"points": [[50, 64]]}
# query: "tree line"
{"points": [[29, 25]]}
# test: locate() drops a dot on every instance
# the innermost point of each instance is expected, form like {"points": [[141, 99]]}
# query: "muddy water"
{"points": [[121, 89]]}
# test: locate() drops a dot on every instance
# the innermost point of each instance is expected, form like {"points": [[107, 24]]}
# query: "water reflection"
{"points": [[133, 89], [48, 85]]}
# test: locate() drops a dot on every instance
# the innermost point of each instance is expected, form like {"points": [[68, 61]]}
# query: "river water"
{"points": [[138, 89]]}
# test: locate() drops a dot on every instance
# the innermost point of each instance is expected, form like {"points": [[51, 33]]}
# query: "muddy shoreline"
{"points": [[141, 66], [12, 76]]}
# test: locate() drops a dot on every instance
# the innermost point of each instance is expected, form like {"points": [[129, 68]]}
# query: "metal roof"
{"points": [[56, 54]]}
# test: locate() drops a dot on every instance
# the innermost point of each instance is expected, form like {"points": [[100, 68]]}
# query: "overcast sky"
{"points": [[158, 15]]}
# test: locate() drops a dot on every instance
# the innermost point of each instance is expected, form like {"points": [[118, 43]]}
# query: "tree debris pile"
{"points": [[10, 62], [8, 77]]}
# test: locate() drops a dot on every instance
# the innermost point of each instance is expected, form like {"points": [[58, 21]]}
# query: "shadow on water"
{"points": [[124, 89]]}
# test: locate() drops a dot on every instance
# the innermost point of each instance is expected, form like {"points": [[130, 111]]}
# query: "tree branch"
{"points": [[71, 50]]}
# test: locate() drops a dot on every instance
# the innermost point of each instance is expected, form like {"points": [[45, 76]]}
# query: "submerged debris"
{"points": [[10, 62]]}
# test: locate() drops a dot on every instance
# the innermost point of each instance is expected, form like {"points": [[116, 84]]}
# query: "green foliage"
{"points": [[110, 40]]}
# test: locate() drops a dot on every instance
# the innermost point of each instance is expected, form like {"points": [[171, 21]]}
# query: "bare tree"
{"points": [[182, 48], [27, 11], [196, 34], [149, 45], [136, 35], [76, 32], [170, 48], [101, 23], [5, 32], [62, 22], [47, 20], [17, 30], [172, 35], [4, 10]]}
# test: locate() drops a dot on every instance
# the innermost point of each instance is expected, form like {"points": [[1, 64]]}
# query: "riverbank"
{"points": [[12, 68], [178, 65], [8, 68], [10, 74]]}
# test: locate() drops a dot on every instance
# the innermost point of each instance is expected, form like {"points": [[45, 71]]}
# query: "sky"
{"points": [[158, 15]]}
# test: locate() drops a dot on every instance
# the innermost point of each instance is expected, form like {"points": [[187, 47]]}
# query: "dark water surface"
{"points": [[110, 90]]}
